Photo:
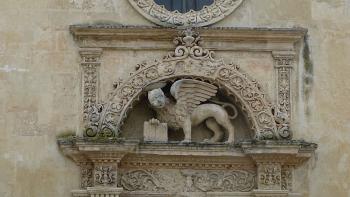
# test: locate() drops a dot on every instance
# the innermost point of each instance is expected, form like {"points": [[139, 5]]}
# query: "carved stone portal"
{"points": [[190, 61], [189, 87]]}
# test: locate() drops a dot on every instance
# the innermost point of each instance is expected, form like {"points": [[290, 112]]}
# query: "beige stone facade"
{"points": [[44, 64]]}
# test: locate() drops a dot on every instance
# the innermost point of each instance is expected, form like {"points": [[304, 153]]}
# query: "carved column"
{"points": [[90, 64], [284, 61]]}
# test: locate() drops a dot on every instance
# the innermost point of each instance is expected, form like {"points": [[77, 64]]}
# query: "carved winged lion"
{"points": [[188, 110]]}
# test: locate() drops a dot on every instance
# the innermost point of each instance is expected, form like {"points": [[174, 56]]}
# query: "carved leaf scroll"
{"points": [[188, 180]]}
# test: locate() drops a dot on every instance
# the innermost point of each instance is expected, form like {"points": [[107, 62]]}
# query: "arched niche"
{"points": [[189, 60], [141, 111]]}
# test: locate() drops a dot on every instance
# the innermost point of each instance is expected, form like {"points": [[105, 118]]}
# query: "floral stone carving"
{"points": [[188, 180], [105, 175], [189, 60], [206, 16]]}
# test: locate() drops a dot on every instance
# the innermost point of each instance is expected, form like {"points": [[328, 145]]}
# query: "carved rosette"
{"points": [[283, 66], [189, 60], [206, 16], [90, 78]]}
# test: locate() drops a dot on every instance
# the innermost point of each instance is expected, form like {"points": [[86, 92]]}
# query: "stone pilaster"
{"points": [[284, 61], [105, 175], [86, 174], [90, 63], [287, 177]]}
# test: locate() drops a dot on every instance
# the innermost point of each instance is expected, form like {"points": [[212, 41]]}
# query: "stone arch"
{"points": [[189, 60]]}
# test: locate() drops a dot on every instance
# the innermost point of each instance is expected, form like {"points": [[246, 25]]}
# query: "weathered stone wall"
{"points": [[40, 93]]}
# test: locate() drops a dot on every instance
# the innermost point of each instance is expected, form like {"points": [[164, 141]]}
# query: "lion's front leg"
{"points": [[187, 124]]}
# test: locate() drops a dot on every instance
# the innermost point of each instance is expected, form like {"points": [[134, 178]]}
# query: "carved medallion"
{"points": [[208, 15]]}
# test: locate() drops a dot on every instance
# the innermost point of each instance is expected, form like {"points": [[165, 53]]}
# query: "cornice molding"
{"points": [[218, 38]]}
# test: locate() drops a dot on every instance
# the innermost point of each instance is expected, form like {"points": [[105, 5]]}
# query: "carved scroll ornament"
{"points": [[188, 180], [206, 16], [189, 60]]}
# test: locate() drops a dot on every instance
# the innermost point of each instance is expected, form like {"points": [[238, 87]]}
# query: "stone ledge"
{"points": [[216, 38], [270, 193], [289, 152]]}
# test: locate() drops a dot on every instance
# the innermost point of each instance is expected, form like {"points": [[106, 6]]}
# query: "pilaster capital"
{"points": [[90, 55], [283, 58]]}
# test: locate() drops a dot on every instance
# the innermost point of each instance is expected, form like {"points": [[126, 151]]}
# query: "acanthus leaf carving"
{"points": [[141, 180], [220, 181], [188, 180]]}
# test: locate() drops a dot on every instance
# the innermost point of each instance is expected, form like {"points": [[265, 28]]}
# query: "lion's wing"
{"points": [[190, 93]]}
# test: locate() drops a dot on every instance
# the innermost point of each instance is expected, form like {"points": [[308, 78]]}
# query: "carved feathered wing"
{"points": [[191, 93]]}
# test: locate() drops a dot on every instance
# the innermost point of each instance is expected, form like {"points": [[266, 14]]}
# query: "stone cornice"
{"points": [[270, 39], [288, 152]]}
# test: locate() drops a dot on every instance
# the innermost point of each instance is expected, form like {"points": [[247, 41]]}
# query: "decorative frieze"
{"points": [[188, 180], [90, 64]]}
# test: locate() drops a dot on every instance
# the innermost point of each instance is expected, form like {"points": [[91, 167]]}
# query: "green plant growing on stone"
{"points": [[67, 134]]}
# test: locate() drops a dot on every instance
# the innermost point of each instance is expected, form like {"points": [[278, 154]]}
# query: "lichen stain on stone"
{"points": [[333, 3], [308, 74]]}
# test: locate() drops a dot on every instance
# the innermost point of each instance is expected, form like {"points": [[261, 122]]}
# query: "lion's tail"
{"points": [[227, 105]]}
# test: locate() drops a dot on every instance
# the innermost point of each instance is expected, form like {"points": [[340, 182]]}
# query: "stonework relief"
{"points": [[90, 78], [269, 176], [188, 87], [86, 173], [206, 16], [194, 63], [188, 110], [176, 181], [287, 178], [105, 175], [283, 66]]}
